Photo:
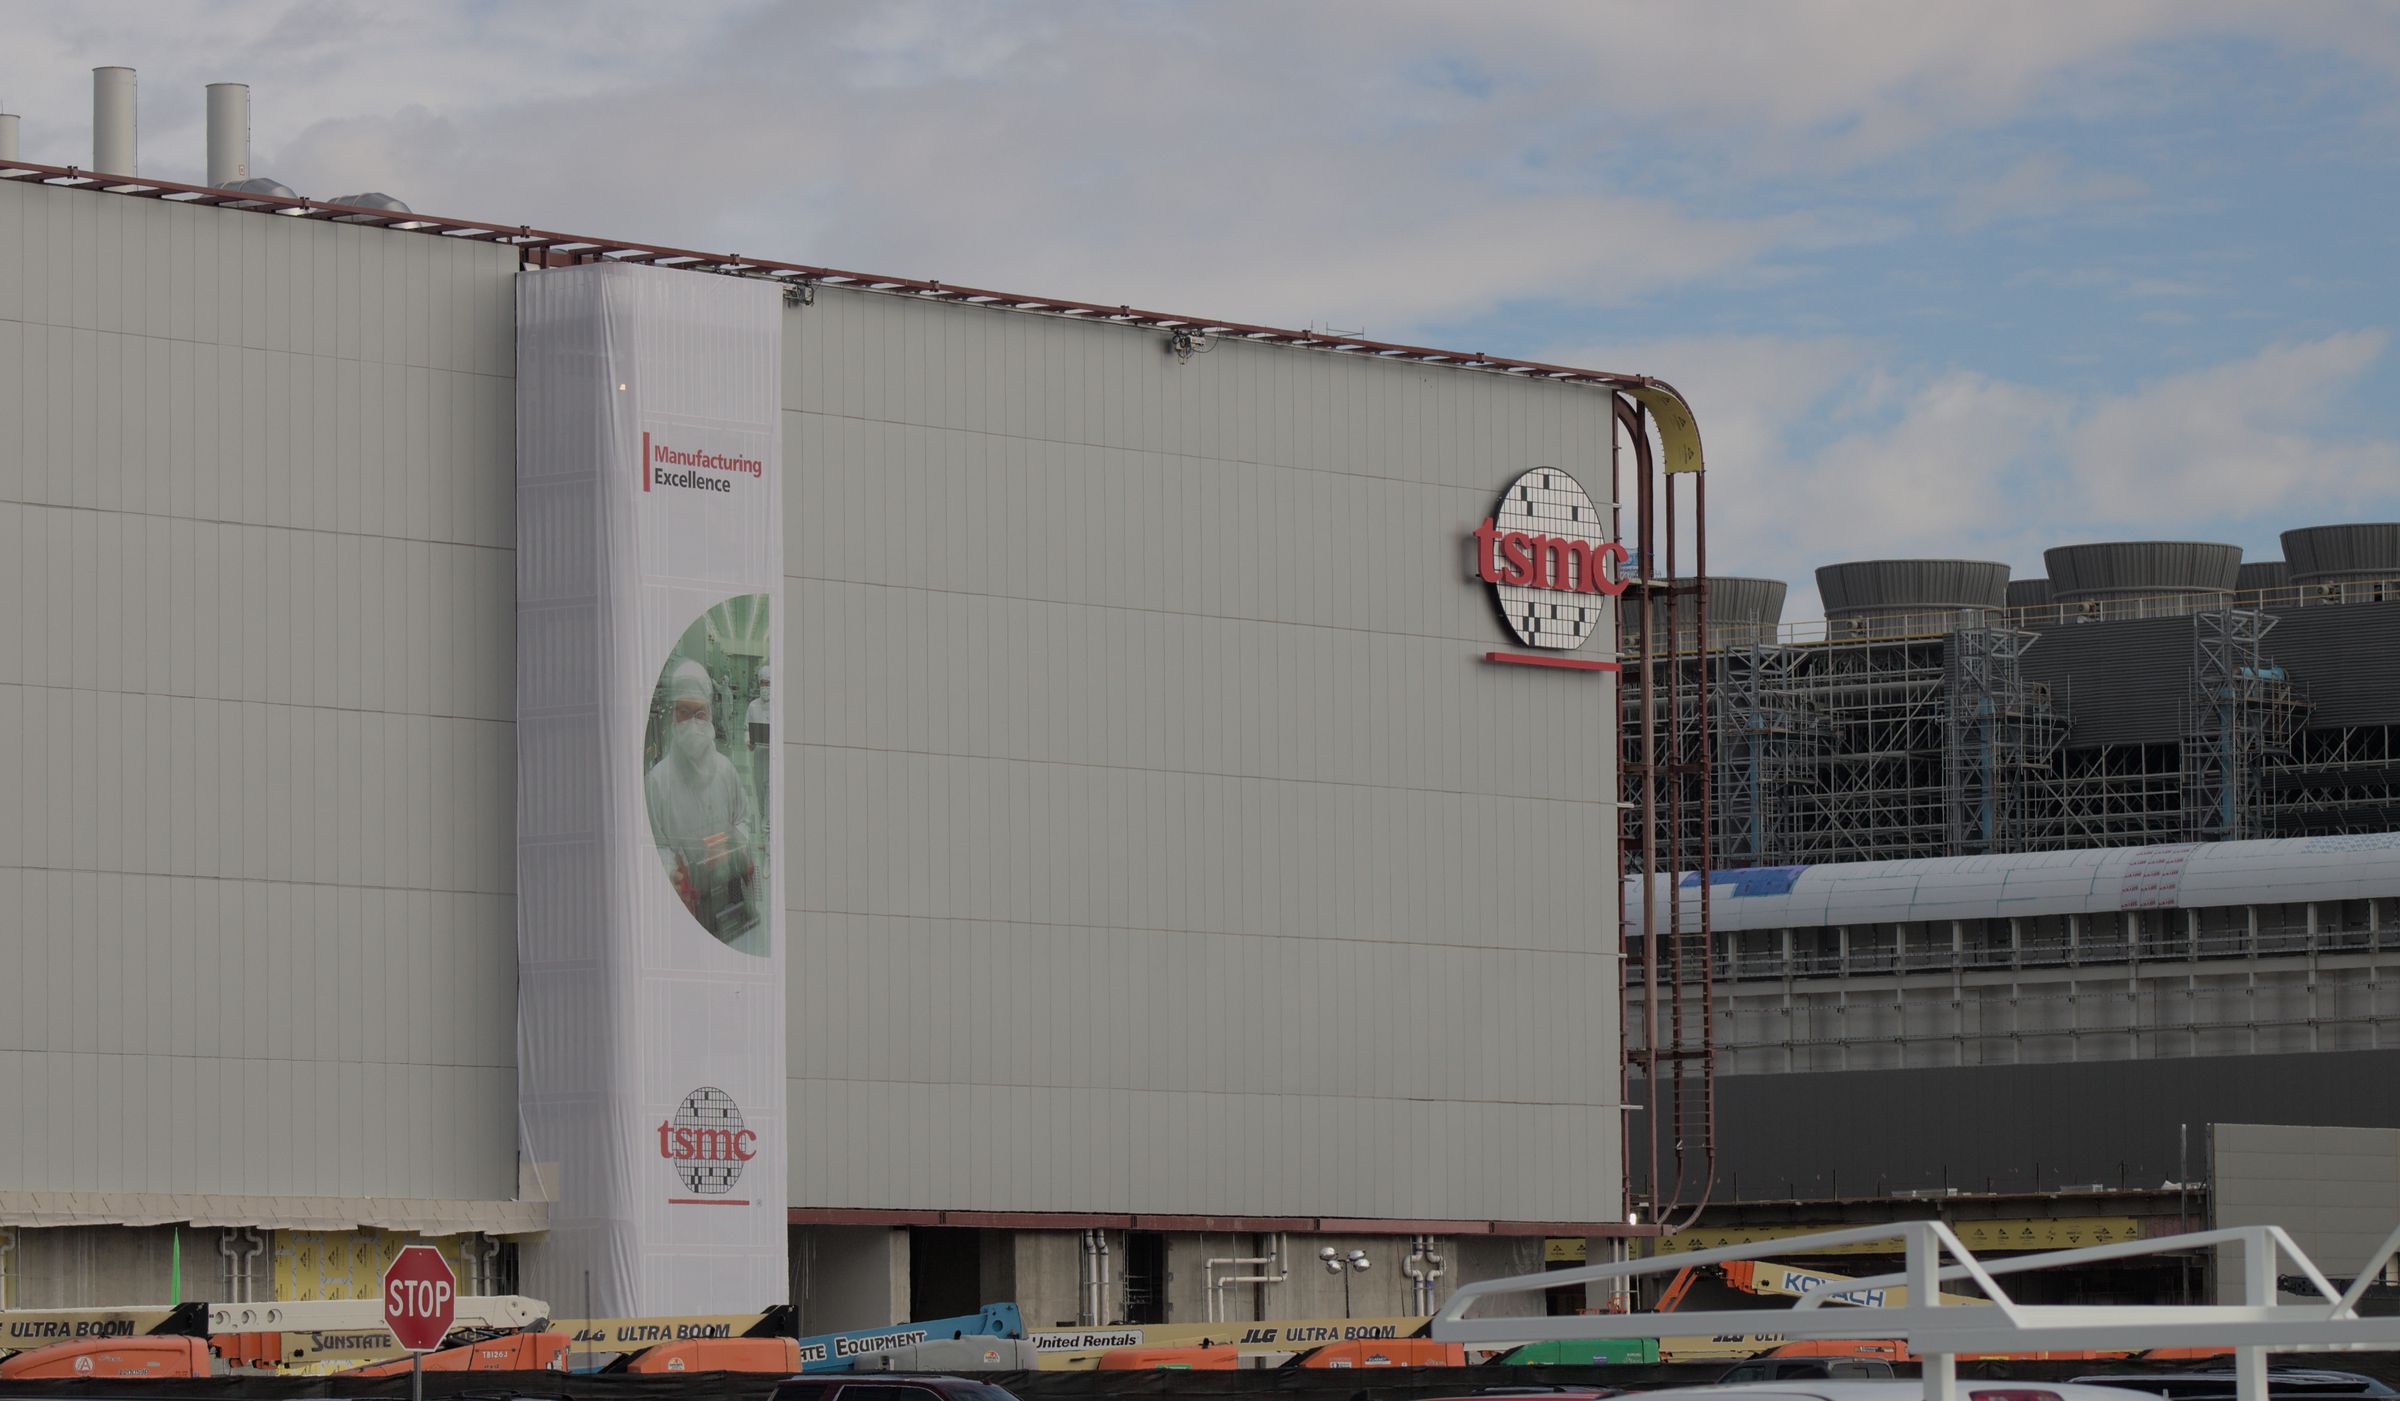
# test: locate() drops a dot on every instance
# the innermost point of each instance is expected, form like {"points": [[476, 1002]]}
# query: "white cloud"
{"points": [[1356, 164], [2039, 186], [2237, 440], [1960, 464]]}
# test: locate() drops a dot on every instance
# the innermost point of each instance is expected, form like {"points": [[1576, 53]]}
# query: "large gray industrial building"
{"points": [[1171, 876]]}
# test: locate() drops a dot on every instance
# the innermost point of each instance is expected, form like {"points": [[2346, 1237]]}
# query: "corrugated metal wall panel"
{"points": [[2347, 659], [2123, 681], [255, 704], [1150, 794]]}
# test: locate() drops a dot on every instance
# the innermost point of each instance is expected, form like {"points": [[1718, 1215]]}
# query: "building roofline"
{"points": [[538, 248]]}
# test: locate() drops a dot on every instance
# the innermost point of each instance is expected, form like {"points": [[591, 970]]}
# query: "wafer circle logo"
{"points": [[1546, 553], [706, 1142]]}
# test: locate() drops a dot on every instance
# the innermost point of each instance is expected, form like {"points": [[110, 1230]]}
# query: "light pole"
{"points": [[1355, 1262]]}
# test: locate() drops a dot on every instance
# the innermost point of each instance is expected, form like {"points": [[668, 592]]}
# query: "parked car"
{"points": [[1527, 1393], [1896, 1389], [2282, 1382], [1785, 1369]]}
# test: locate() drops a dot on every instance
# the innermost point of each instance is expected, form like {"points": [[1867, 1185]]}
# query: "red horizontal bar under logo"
{"points": [[1563, 663]]}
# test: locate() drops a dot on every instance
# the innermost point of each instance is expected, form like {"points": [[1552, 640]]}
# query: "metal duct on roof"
{"points": [[2141, 569], [2028, 593], [115, 118], [228, 133], [1896, 597], [2325, 553], [2263, 575], [1740, 611]]}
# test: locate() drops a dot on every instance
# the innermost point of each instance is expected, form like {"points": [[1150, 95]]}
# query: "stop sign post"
{"points": [[420, 1302]]}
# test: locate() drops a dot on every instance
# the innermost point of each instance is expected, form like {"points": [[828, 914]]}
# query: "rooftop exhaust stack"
{"points": [[112, 121], [8, 136], [228, 133]]}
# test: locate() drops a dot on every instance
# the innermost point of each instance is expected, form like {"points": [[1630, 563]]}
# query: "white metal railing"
{"points": [[1940, 1333]]}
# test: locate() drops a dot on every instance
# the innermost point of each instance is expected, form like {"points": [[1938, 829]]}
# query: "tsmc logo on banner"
{"points": [[708, 1146], [1553, 570]]}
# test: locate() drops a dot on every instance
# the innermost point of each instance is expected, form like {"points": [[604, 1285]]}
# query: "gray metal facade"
{"points": [[256, 671], [1163, 844]]}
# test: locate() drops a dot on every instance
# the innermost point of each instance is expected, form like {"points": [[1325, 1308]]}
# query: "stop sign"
{"points": [[420, 1298]]}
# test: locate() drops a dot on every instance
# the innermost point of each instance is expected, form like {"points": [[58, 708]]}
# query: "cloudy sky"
{"points": [[1939, 278]]}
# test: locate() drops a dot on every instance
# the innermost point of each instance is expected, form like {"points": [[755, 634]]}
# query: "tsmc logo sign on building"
{"points": [[1552, 569], [707, 1145]]}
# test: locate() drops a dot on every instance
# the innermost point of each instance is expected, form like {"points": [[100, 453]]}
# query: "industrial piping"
{"points": [[1423, 1266], [1095, 1279], [1218, 1284]]}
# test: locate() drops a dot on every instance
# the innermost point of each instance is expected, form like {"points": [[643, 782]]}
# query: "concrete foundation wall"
{"points": [[1311, 1291], [1475, 1258], [69, 1267], [849, 1277], [1048, 1278]]}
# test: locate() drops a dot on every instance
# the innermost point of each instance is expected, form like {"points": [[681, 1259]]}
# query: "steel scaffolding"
{"points": [[1859, 748], [2241, 716], [2003, 739], [1862, 748], [2337, 779]]}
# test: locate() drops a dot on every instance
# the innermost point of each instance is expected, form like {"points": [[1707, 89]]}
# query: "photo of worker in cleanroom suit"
{"points": [[704, 807], [761, 741]]}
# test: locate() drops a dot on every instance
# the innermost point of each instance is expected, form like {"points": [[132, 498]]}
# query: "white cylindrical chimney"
{"points": [[228, 133], [8, 136], [112, 121]]}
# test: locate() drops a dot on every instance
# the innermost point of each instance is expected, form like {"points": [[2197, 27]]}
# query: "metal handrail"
{"points": [[1939, 1333]]}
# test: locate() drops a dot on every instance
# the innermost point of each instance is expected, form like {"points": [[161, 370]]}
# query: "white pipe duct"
{"points": [[1088, 1272], [228, 133], [113, 121], [8, 136], [1218, 1284], [1423, 1267]]}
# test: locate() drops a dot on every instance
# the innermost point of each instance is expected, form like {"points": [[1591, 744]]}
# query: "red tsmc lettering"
{"points": [[1546, 561], [687, 1145]]}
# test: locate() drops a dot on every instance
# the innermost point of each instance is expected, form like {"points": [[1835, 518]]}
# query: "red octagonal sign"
{"points": [[420, 1298]]}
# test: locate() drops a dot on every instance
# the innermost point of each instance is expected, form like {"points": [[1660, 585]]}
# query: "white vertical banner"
{"points": [[650, 922]]}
